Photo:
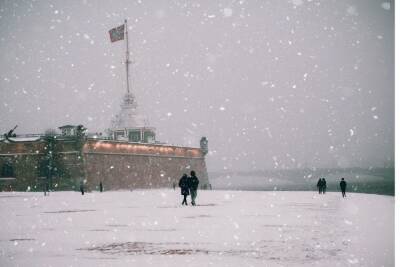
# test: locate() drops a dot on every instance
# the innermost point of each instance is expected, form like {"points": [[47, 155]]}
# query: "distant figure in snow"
{"points": [[319, 185], [173, 185], [184, 185], [101, 187], [343, 185], [193, 184], [323, 185], [46, 189], [82, 188]]}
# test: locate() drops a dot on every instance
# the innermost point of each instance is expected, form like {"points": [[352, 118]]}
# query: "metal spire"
{"points": [[127, 62]]}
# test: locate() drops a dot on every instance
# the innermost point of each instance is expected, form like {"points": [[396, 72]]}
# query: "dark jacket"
{"points": [[193, 182], [184, 185], [343, 185]]}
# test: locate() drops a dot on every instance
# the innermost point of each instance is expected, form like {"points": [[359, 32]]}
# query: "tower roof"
{"points": [[129, 116]]}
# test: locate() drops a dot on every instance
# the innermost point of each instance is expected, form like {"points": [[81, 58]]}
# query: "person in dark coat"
{"points": [[82, 188], [323, 185], [184, 185], [193, 184], [46, 189], [101, 187], [343, 185], [319, 185]]}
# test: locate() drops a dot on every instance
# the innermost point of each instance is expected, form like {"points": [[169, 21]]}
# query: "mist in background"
{"points": [[271, 84]]}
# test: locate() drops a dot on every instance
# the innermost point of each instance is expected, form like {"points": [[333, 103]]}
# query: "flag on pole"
{"points": [[117, 33]]}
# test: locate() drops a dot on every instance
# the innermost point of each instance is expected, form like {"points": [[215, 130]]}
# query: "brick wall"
{"points": [[121, 165], [118, 165]]}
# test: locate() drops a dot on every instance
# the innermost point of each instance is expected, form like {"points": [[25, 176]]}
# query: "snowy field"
{"points": [[227, 228]]}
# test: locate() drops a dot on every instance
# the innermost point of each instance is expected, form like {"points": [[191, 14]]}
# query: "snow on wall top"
{"points": [[136, 148]]}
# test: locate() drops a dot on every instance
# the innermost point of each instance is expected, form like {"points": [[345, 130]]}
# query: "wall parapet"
{"points": [[115, 147]]}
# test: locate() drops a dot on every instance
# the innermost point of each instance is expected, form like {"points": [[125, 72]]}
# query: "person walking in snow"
{"points": [[323, 185], [82, 188], [46, 189], [101, 187], [319, 185], [193, 184], [184, 185], [343, 185]]}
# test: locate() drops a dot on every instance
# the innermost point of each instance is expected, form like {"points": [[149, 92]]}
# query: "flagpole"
{"points": [[127, 62]]}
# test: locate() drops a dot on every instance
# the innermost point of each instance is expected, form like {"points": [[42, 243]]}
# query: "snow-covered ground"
{"points": [[374, 181], [227, 228]]}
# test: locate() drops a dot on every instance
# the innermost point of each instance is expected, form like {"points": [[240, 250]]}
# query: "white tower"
{"points": [[129, 124]]}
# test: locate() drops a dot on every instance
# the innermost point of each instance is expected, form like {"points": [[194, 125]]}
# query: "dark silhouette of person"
{"points": [[101, 187], [343, 185], [184, 185], [46, 189], [82, 188], [319, 185], [323, 185], [193, 184]]}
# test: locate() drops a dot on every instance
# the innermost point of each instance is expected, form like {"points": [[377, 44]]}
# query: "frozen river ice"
{"points": [[227, 228]]}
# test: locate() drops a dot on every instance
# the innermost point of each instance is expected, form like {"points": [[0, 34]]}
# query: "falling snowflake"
{"points": [[297, 2], [228, 12], [352, 11], [385, 5]]}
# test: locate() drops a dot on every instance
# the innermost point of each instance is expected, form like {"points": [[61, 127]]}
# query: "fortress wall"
{"points": [[25, 168], [140, 149], [117, 165], [70, 170], [28, 147], [24, 158], [122, 171], [27, 159]]}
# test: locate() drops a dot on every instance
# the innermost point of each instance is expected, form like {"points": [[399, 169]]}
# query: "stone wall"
{"points": [[118, 165], [24, 157], [28, 161]]}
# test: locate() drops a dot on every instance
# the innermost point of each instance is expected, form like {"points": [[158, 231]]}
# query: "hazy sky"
{"points": [[271, 83]]}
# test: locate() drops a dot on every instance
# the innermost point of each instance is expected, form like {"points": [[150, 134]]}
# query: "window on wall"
{"points": [[149, 137], [7, 170], [134, 136], [118, 135]]}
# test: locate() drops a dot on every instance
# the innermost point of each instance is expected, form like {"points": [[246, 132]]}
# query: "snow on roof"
{"points": [[24, 139], [67, 126]]}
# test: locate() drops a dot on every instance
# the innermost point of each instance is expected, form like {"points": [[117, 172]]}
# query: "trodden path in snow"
{"points": [[227, 228]]}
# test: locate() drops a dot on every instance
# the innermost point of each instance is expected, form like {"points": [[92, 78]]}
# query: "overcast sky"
{"points": [[283, 84]]}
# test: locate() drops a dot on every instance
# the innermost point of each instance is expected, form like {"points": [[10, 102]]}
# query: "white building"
{"points": [[130, 125]]}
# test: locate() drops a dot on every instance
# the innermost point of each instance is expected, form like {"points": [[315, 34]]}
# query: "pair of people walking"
{"points": [[321, 186], [188, 186]]}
